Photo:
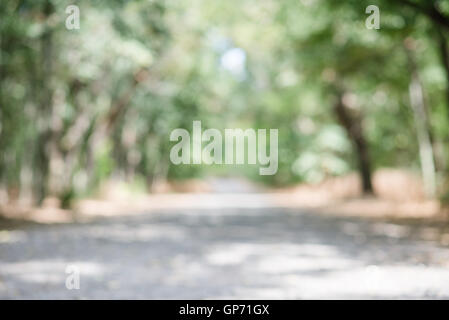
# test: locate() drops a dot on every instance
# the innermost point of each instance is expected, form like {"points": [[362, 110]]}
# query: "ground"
{"points": [[225, 246]]}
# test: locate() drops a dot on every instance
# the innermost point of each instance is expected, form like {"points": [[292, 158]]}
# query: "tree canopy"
{"points": [[79, 106]]}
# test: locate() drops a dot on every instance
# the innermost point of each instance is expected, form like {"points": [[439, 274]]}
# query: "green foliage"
{"points": [[102, 100]]}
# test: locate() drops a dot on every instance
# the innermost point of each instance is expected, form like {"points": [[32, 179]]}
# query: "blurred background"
{"points": [[86, 115]]}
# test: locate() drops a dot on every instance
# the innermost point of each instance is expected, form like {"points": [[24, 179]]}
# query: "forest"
{"points": [[79, 106]]}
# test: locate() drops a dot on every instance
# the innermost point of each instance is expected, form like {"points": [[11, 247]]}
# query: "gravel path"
{"points": [[222, 253]]}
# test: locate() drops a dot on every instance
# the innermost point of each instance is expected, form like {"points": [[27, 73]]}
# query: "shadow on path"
{"points": [[223, 253]]}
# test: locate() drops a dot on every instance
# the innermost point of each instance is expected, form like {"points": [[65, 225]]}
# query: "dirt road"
{"points": [[232, 252]]}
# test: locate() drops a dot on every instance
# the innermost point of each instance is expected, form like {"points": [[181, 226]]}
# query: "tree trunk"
{"points": [[42, 159], [353, 127], [444, 55], [419, 108]]}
